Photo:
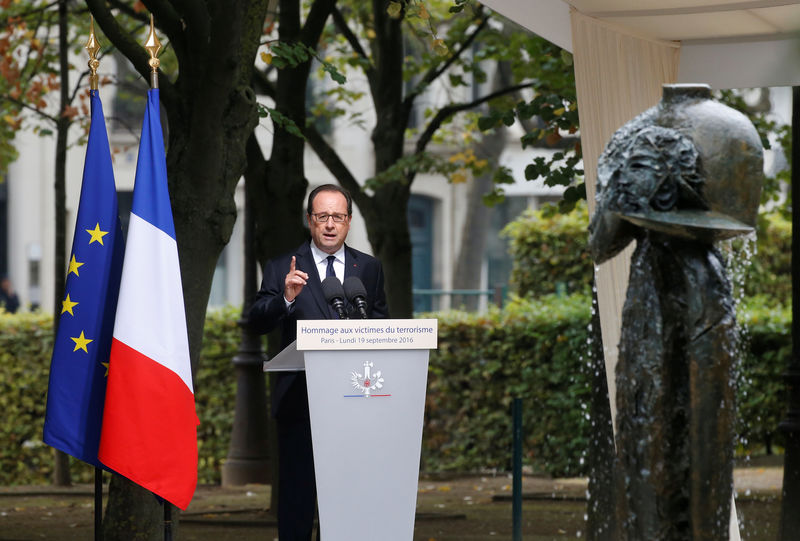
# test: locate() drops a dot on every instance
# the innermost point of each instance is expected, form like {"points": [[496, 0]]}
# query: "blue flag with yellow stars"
{"points": [[79, 366]]}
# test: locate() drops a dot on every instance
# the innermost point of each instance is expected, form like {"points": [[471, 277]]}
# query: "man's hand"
{"points": [[294, 282]]}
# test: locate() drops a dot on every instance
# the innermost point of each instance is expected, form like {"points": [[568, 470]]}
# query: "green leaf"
{"points": [[334, 73], [493, 198], [487, 123], [283, 121], [394, 10], [531, 172], [457, 80]]}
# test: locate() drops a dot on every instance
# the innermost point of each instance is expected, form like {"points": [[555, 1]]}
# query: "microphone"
{"points": [[356, 294], [334, 294]]}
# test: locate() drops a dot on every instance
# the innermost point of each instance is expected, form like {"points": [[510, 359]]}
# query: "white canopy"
{"points": [[725, 43]]}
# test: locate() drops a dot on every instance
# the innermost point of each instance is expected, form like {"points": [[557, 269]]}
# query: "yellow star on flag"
{"points": [[96, 234], [81, 342], [73, 266], [106, 365], [67, 305]]}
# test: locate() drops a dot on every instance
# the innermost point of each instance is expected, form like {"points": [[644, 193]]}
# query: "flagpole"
{"points": [[153, 46], [92, 48]]}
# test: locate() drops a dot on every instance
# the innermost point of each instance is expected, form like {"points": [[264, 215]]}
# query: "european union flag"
{"points": [[79, 366]]}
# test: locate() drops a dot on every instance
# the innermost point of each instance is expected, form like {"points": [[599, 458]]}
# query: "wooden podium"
{"points": [[366, 395]]}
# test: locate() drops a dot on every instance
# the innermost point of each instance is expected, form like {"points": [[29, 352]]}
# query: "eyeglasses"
{"points": [[323, 218]]}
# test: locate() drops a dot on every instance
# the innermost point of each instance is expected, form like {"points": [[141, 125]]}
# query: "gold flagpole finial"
{"points": [[152, 45], [93, 47]]}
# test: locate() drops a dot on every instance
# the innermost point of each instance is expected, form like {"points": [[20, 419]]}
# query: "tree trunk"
{"points": [[61, 474], [277, 187], [476, 225], [478, 216], [132, 513], [385, 214], [212, 111], [280, 193], [388, 234]]}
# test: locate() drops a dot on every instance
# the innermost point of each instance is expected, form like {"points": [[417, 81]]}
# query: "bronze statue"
{"points": [[675, 179]]}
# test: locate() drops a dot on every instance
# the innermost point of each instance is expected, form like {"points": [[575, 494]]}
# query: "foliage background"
{"points": [[550, 252], [533, 349], [550, 255]]}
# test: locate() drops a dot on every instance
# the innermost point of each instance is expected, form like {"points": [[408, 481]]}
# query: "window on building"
{"points": [[498, 259], [420, 229]]}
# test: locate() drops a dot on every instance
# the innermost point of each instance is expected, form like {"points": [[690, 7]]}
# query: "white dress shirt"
{"points": [[321, 259]]}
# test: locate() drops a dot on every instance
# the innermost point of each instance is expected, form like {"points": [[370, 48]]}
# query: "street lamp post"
{"points": [[248, 458]]}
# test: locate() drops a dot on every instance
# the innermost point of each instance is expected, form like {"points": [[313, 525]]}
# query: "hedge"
{"points": [[551, 256], [770, 269], [535, 350], [550, 252], [26, 343]]}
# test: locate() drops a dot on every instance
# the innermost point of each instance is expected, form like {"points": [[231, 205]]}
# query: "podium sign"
{"points": [[375, 334], [366, 406]]}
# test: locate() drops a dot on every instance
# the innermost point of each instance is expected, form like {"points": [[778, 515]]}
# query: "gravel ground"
{"points": [[453, 509]]}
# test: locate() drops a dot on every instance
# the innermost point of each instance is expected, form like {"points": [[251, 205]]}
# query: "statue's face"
{"points": [[643, 175], [646, 180]]}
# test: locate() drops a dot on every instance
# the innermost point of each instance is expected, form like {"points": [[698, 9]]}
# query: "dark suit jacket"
{"points": [[269, 309]]}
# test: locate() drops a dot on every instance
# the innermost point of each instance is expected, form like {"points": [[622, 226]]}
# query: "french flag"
{"points": [[149, 432]]}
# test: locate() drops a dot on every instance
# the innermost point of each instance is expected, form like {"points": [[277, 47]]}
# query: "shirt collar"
{"points": [[320, 256]]}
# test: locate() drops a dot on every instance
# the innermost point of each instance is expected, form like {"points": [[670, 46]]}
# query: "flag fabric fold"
{"points": [[149, 432], [79, 364]]}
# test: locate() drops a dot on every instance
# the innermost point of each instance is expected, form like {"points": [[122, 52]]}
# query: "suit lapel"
{"points": [[351, 263], [314, 284]]}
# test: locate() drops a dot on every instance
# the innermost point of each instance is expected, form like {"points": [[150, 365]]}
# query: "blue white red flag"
{"points": [[149, 422], [79, 364]]}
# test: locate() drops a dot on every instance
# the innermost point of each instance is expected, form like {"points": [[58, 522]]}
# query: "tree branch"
{"points": [[22, 105], [335, 165], [352, 39], [194, 15], [77, 87], [127, 9], [34, 58], [195, 24], [436, 71], [446, 112], [315, 22], [128, 46], [165, 18], [5, 23], [169, 21]]}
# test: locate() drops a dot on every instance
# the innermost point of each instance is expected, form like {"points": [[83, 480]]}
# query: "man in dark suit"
{"points": [[292, 291]]}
